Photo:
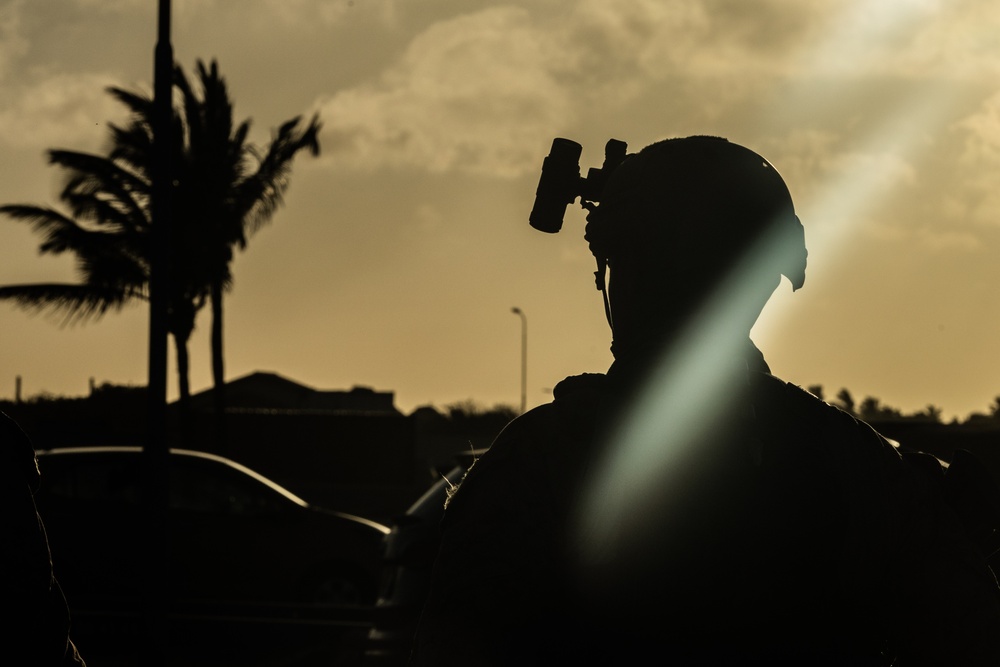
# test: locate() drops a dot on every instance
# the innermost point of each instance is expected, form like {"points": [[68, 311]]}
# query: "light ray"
{"points": [[680, 402]]}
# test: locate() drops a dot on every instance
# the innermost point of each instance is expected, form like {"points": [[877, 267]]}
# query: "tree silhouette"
{"points": [[108, 230], [995, 408], [872, 409], [232, 188], [931, 414], [845, 400], [223, 189]]}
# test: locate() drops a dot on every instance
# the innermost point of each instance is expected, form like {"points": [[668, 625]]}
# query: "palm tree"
{"points": [[235, 188], [108, 229], [224, 188]]}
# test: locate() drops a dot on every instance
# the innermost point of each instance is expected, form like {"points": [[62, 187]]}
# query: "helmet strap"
{"points": [[600, 280]]}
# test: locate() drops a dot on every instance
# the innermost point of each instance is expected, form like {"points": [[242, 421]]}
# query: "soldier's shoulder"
{"points": [[539, 439], [573, 398], [798, 410], [774, 393]]}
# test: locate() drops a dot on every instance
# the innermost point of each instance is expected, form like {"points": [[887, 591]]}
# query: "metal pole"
{"points": [[155, 451], [524, 357]]}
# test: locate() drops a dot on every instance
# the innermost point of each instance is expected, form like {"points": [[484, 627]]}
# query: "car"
{"points": [[408, 554], [240, 545]]}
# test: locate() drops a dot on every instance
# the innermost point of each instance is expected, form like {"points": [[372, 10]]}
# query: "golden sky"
{"points": [[402, 249]]}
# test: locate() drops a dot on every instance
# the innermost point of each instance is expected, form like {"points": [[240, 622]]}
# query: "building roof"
{"points": [[262, 390]]}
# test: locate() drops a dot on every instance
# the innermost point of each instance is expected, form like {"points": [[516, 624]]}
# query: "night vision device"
{"points": [[561, 183]]}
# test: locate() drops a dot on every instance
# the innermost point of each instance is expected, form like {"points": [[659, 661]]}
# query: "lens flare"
{"points": [[646, 450]]}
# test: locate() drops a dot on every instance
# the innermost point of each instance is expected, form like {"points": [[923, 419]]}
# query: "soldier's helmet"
{"points": [[698, 206]]}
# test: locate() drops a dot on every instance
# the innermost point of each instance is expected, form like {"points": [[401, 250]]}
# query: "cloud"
{"points": [[13, 44], [292, 18], [933, 237], [899, 38], [974, 196], [64, 111], [329, 12], [981, 131], [648, 41], [483, 92], [957, 38], [114, 6], [271, 14], [822, 160], [880, 171], [476, 92], [850, 188]]}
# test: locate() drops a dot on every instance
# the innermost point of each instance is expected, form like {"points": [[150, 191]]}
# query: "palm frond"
{"points": [[75, 302], [137, 103], [127, 174], [59, 232], [104, 190], [263, 193], [125, 213], [133, 144]]}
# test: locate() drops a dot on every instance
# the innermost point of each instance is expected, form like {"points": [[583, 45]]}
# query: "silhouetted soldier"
{"points": [[36, 623], [688, 507]]}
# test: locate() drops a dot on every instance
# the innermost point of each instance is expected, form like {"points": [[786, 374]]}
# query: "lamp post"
{"points": [[156, 452], [524, 357], [160, 253]]}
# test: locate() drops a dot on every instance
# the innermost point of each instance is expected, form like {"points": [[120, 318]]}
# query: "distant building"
{"points": [[264, 391], [347, 449]]}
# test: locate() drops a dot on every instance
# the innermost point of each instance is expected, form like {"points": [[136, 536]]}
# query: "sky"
{"points": [[401, 250]]}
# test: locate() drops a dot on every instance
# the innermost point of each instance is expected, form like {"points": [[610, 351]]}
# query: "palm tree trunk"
{"points": [[184, 386], [218, 373]]}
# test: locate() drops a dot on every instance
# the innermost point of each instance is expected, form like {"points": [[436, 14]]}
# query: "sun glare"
{"points": [[675, 409]]}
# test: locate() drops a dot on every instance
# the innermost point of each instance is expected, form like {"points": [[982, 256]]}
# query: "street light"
{"points": [[156, 452], [524, 357]]}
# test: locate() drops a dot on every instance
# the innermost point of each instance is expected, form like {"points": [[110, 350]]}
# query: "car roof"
{"points": [[191, 453]]}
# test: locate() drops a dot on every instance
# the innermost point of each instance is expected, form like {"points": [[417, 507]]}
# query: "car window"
{"points": [[97, 479], [199, 485], [196, 485]]}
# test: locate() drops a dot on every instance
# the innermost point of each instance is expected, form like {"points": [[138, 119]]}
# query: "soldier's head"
{"points": [[685, 220]]}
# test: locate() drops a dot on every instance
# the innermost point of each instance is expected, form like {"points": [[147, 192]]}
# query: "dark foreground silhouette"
{"points": [[37, 622], [688, 507]]}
